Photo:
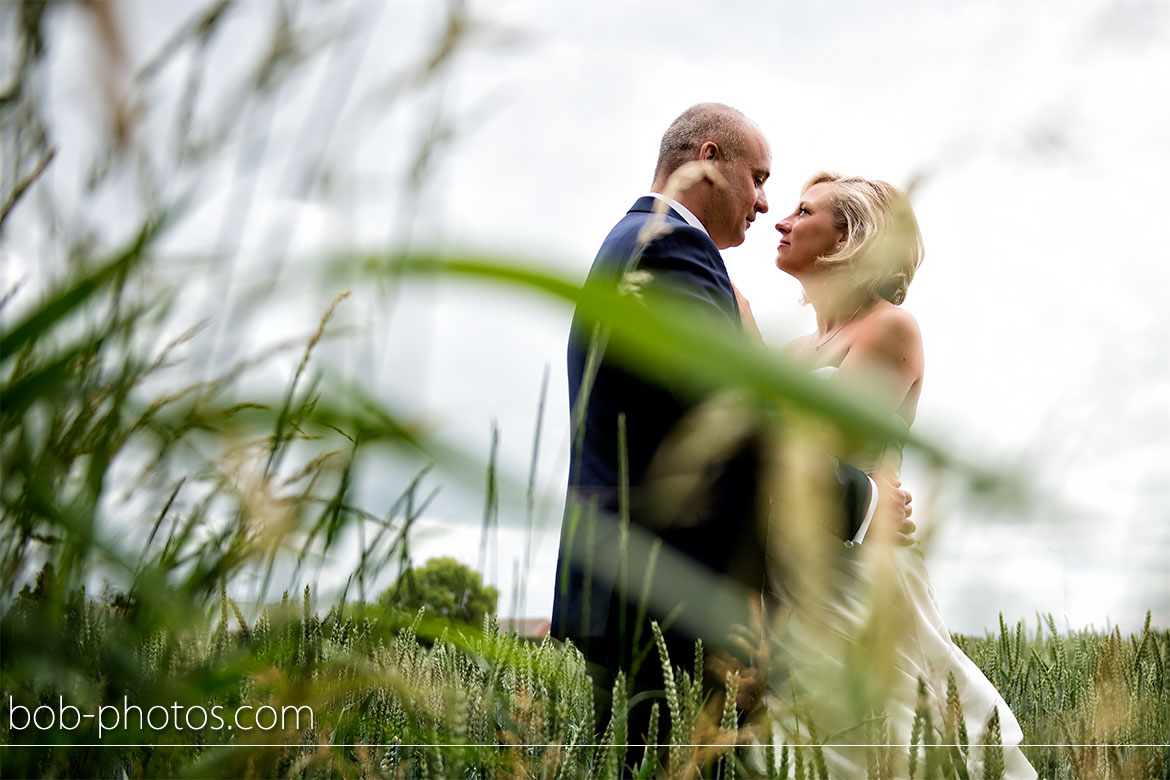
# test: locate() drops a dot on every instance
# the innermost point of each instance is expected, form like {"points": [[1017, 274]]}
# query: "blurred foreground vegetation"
{"points": [[187, 481]]}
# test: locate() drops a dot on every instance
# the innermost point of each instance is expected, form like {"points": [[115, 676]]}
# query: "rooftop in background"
{"points": [[529, 628]]}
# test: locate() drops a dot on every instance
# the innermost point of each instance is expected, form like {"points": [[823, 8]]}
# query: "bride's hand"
{"points": [[746, 317], [892, 520]]}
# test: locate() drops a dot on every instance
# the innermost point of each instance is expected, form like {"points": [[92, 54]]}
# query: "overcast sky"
{"points": [[1035, 135]]}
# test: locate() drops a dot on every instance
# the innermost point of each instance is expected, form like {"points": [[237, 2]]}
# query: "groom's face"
{"points": [[735, 206]]}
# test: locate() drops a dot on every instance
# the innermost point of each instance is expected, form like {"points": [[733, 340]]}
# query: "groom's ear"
{"points": [[709, 152]]}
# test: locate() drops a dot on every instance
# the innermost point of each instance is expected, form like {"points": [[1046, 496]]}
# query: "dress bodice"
{"points": [[876, 455]]}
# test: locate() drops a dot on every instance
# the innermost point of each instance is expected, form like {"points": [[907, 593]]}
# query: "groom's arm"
{"points": [[858, 502], [864, 501]]}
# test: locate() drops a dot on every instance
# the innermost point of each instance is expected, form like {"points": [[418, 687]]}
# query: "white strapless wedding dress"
{"points": [[866, 660]]}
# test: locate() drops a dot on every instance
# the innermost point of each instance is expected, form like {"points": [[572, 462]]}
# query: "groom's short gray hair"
{"points": [[698, 124]]}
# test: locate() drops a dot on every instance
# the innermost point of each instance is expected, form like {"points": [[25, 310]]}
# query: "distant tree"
{"points": [[447, 588]]}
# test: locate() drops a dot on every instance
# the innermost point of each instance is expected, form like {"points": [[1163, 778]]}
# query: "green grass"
{"points": [[118, 466], [419, 699], [229, 487]]}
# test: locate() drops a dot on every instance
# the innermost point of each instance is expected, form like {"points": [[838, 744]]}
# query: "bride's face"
{"points": [[808, 232]]}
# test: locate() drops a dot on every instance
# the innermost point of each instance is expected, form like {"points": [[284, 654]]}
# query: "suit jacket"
{"points": [[719, 534]]}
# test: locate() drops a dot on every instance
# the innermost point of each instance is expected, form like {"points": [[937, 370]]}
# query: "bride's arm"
{"points": [[885, 361]]}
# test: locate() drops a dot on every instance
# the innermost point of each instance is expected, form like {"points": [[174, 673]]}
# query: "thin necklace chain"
{"points": [[831, 336]]}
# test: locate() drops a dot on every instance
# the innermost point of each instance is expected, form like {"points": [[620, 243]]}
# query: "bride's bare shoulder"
{"points": [[896, 319], [891, 330]]}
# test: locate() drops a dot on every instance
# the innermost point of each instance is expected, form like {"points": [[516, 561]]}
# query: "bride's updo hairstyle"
{"points": [[883, 246]]}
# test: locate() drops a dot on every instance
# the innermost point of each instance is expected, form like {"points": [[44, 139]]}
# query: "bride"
{"points": [[864, 626]]}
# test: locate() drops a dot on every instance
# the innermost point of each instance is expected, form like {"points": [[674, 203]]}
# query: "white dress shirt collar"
{"points": [[682, 210]]}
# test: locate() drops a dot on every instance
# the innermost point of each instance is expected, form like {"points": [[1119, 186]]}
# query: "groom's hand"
{"points": [[721, 665], [754, 650], [893, 511]]}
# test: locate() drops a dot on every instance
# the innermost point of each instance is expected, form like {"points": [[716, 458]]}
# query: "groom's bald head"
{"points": [[700, 123], [726, 159]]}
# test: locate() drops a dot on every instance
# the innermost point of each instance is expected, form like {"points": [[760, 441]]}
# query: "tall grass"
{"points": [[183, 486], [1098, 700], [392, 696]]}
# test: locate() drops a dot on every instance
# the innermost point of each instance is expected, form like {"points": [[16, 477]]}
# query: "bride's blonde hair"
{"points": [[883, 245]]}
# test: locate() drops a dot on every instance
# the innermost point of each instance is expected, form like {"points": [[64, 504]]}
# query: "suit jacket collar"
{"points": [[674, 209], [645, 204]]}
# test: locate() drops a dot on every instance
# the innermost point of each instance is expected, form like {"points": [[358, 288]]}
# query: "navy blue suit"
{"points": [[720, 532]]}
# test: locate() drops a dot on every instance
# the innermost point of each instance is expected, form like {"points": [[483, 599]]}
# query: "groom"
{"points": [[711, 551]]}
